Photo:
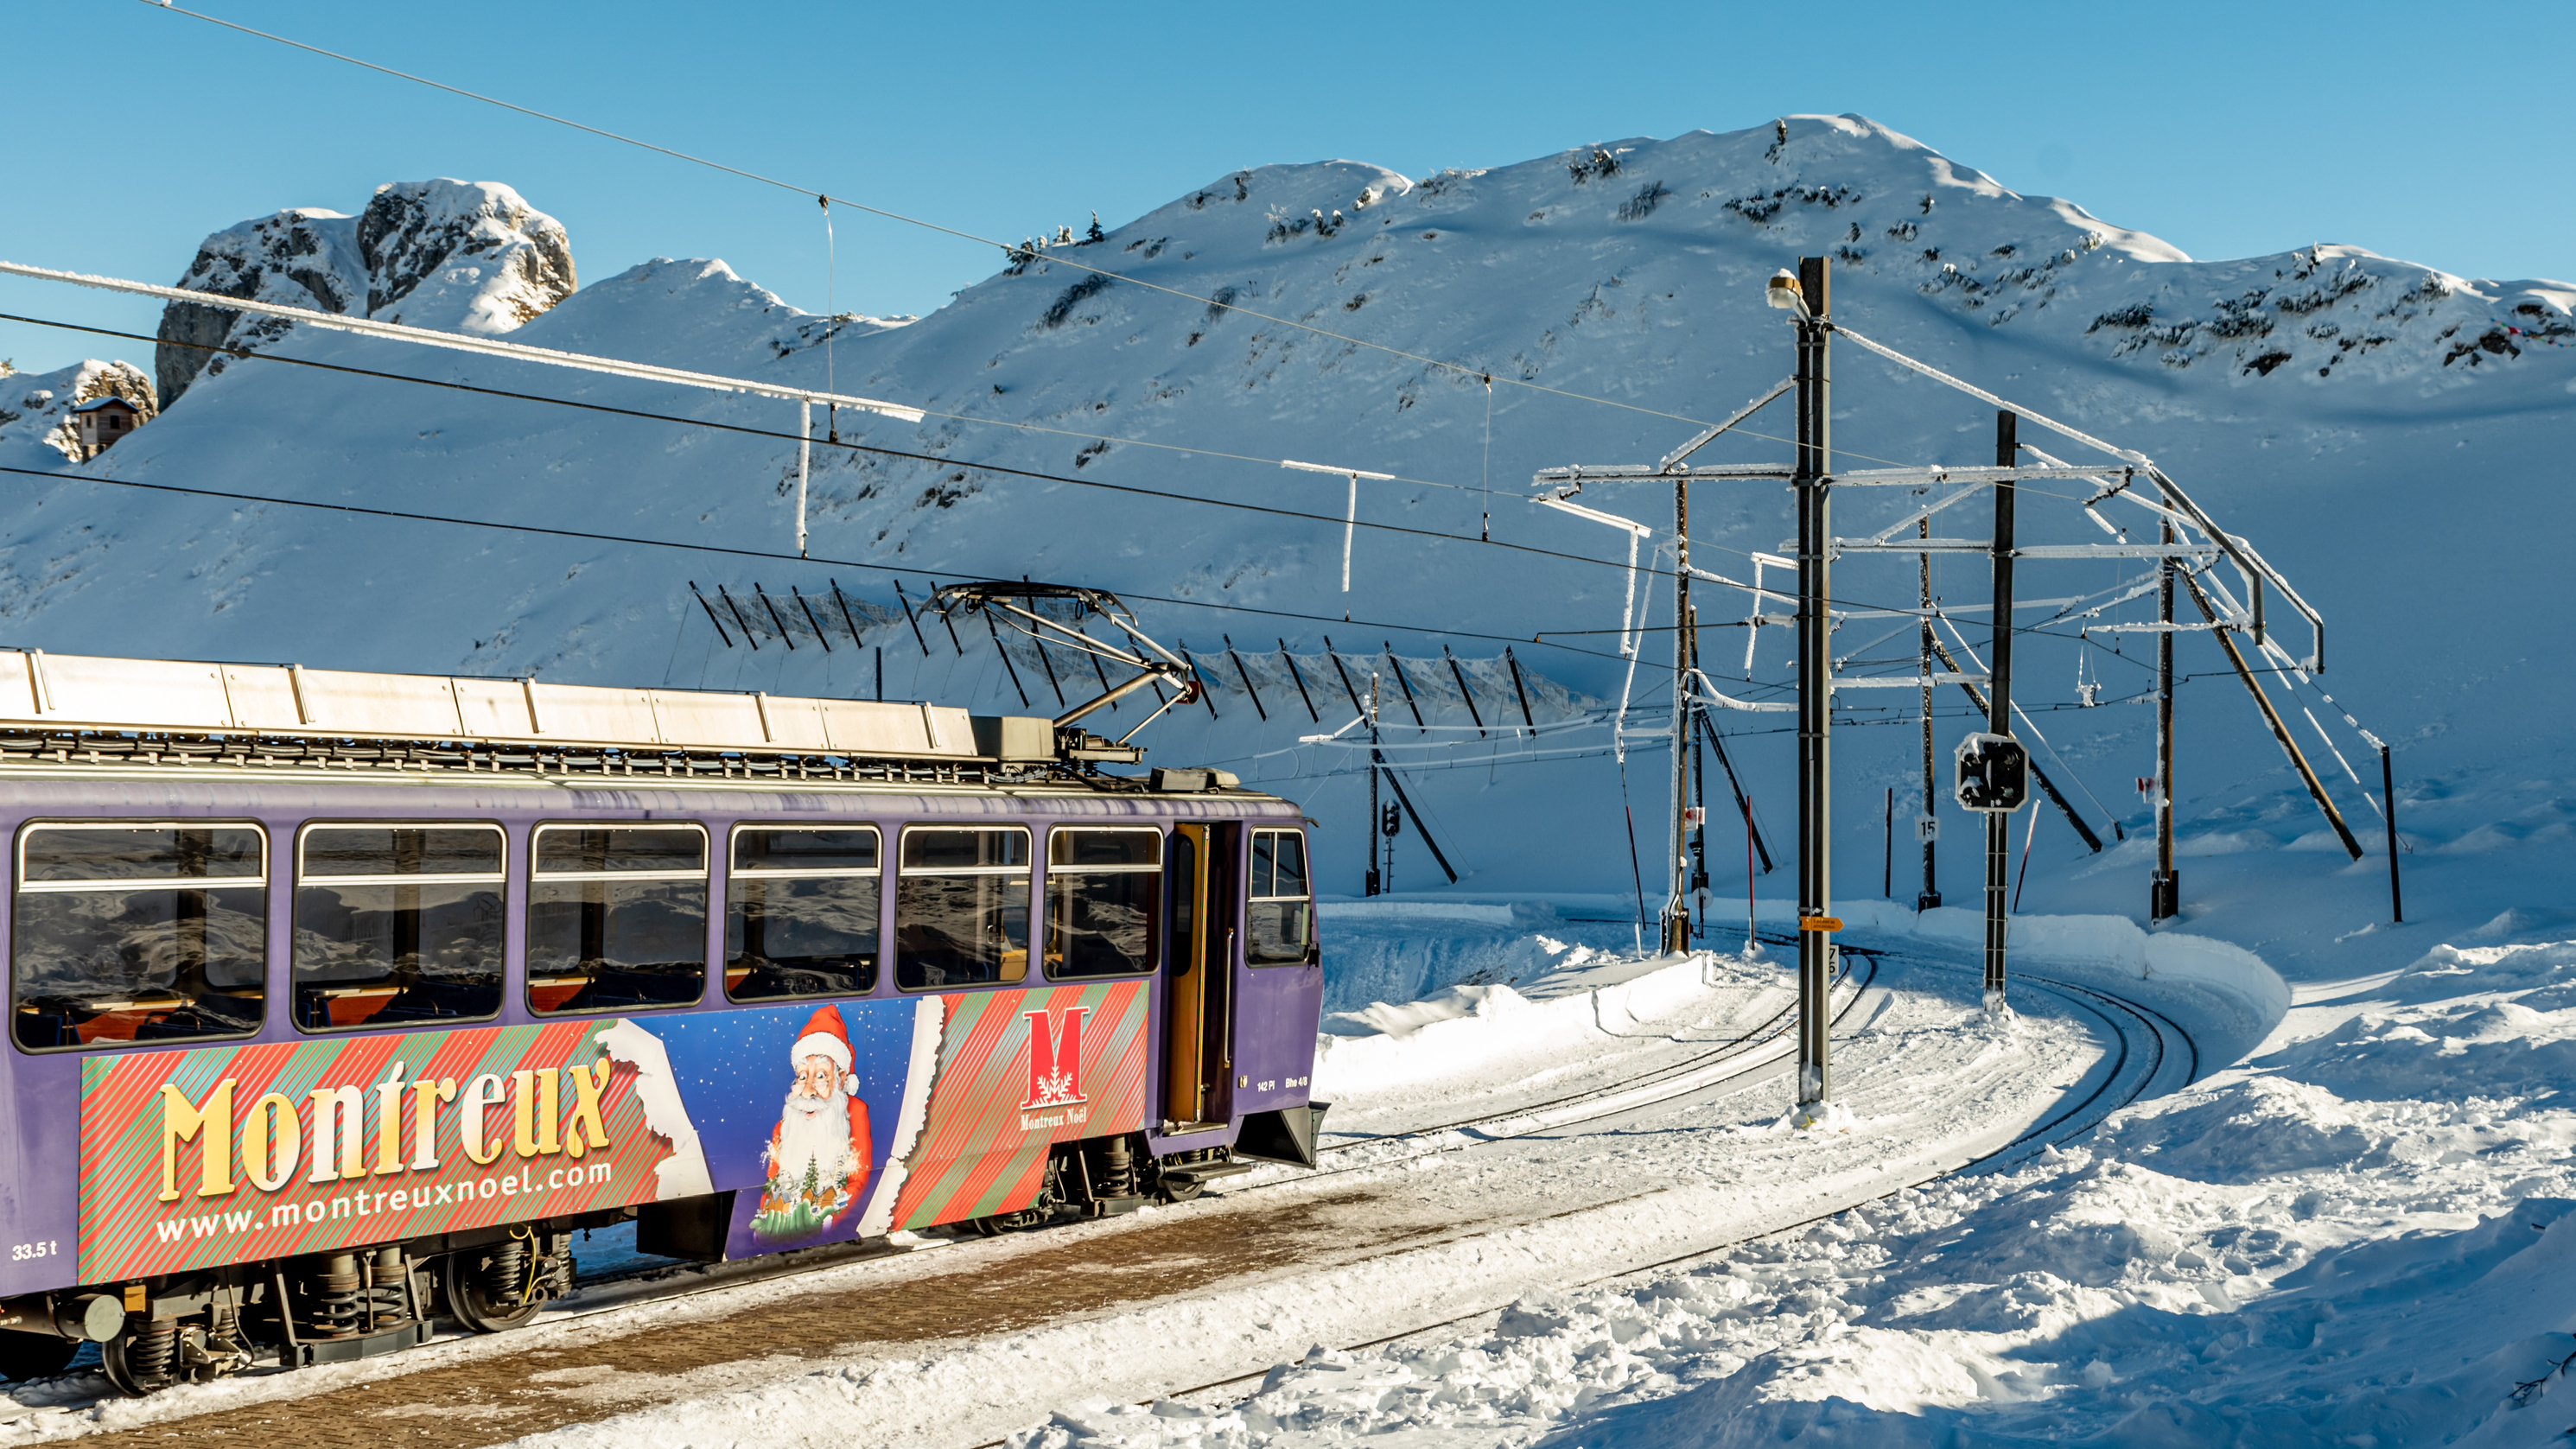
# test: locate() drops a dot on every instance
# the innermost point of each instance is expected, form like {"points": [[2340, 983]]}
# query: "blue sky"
{"points": [[2435, 134]]}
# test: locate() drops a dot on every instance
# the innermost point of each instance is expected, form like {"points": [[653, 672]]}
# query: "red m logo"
{"points": [[1055, 1058]]}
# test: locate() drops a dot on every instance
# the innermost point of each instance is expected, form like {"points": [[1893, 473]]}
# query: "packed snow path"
{"points": [[1660, 1144]]}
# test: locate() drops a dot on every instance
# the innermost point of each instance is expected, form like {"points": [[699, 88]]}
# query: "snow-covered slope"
{"points": [[2362, 1233], [2349, 413]]}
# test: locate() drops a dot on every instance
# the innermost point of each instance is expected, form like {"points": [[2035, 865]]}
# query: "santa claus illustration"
{"points": [[818, 1157]]}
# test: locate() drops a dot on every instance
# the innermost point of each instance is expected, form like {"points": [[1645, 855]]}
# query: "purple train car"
{"points": [[339, 1002]]}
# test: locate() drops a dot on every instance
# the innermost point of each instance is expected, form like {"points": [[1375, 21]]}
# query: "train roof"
{"points": [[84, 713]]}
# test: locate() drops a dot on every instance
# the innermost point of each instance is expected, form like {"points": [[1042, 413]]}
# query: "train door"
{"points": [[1280, 994], [1198, 1029]]}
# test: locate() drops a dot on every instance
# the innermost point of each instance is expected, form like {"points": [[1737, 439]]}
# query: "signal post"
{"points": [[1999, 708]]}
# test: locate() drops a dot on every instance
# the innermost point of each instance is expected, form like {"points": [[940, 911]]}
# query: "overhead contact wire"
{"points": [[717, 548], [248, 354]]}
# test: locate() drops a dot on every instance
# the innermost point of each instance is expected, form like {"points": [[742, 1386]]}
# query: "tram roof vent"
{"points": [[1012, 739]]}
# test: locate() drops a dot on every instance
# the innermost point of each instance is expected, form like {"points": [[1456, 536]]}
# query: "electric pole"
{"points": [[2164, 890], [1999, 707], [1376, 882], [1676, 903], [1928, 829], [1699, 802], [1812, 485]]}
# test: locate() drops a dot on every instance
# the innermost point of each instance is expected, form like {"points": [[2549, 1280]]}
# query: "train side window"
{"points": [[397, 923], [961, 907], [617, 917], [801, 909], [1103, 890], [138, 932], [1281, 908]]}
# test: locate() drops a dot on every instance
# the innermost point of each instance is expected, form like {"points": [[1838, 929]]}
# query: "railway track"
{"points": [[2139, 1030], [2144, 1042], [1741, 1056], [1744, 1056], [2148, 1049]]}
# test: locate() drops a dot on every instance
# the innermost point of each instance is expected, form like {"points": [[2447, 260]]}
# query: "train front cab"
{"points": [[1241, 948]]}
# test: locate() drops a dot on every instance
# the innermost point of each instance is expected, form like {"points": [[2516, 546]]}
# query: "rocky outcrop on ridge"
{"points": [[468, 256]]}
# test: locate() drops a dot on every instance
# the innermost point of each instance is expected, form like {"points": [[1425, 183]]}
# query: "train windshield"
{"points": [[1103, 888], [127, 932], [961, 913], [801, 908], [617, 917], [397, 923], [1281, 911]]}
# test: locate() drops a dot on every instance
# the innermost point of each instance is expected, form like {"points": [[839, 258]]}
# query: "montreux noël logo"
{"points": [[273, 1131], [1055, 1062]]}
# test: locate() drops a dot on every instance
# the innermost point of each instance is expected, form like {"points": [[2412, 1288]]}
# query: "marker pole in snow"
{"points": [[1887, 856], [2164, 892], [1815, 690], [2388, 792], [1999, 709]]}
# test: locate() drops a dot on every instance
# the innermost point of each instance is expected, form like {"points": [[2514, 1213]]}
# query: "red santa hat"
{"points": [[825, 1037]]}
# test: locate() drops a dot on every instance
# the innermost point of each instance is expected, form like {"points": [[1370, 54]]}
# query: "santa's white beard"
{"points": [[817, 1131]]}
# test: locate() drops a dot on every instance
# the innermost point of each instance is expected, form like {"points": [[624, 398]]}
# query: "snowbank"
{"points": [[1408, 948], [2250, 996], [1462, 1031]]}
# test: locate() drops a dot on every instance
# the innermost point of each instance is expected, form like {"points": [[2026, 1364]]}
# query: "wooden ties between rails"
{"points": [[564, 1378]]}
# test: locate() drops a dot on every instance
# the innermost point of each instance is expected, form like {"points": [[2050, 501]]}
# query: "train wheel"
{"points": [[1178, 1192], [25, 1356], [1019, 1222], [142, 1359], [492, 1288]]}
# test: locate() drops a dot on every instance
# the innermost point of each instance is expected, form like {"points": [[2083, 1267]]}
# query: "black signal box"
{"points": [[1993, 774]]}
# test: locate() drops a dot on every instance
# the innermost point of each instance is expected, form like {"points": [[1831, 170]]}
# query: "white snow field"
{"points": [[2359, 1234], [2347, 1226]]}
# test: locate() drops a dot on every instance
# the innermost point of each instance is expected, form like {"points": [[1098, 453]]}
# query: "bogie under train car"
{"points": [[340, 1003]]}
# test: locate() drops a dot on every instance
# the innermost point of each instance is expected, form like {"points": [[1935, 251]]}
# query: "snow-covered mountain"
{"points": [[456, 255], [2303, 1246], [2358, 418]]}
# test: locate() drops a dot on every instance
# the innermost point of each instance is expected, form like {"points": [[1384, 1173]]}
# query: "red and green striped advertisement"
{"points": [[226, 1154], [1018, 1072], [193, 1159]]}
